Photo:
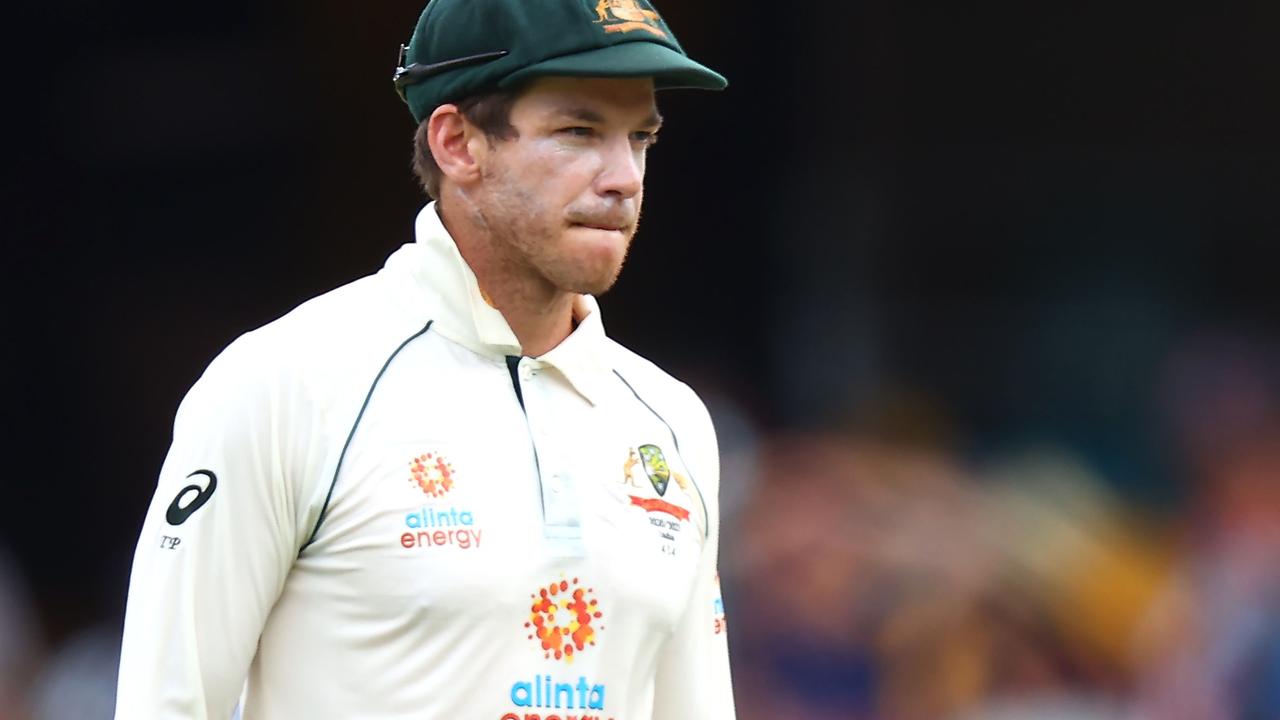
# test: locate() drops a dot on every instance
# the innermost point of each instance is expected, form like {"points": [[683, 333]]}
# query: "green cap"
{"points": [[462, 47]]}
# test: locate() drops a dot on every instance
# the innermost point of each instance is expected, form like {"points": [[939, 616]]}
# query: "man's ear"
{"points": [[453, 144]]}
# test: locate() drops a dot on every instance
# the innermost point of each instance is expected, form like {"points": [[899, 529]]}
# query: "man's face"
{"points": [[561, 200]]}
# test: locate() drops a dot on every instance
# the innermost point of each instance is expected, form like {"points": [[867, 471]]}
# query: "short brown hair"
{"points": [[490, 112]]}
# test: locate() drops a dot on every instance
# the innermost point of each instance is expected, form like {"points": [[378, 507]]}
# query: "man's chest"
{"points": [[459, 497]]}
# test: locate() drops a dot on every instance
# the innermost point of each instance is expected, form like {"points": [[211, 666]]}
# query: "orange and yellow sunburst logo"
{"points": [[432, 474], [561, 618]]}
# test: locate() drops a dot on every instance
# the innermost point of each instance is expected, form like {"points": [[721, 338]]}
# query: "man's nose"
{"points": [[622, 173]]}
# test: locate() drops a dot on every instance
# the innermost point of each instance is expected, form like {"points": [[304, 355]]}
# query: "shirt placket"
{"points": [[544, 396]]}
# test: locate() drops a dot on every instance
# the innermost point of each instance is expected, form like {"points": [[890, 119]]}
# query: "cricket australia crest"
{"points": [[651, 459], [655, 466]]}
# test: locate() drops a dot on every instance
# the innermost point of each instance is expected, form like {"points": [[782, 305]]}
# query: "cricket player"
{"points": [[442, 491]]}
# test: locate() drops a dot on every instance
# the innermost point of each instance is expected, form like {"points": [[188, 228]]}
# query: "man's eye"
{"points": [[644, 137], [578, 131]]}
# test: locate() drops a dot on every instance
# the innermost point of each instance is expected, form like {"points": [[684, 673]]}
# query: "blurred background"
{"points": [[983, 300]]}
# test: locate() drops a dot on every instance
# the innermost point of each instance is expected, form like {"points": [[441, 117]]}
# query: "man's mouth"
{"points": [[613, 227]]}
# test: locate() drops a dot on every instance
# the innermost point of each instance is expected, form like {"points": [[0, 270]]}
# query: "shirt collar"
{"points": [[443, 282]]}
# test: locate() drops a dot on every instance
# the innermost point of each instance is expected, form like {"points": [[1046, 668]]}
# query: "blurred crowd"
{"points": [[877, 570], [880, 572]]}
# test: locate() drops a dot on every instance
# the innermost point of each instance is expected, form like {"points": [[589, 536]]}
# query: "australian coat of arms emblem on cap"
{"points": [[627, 15]]}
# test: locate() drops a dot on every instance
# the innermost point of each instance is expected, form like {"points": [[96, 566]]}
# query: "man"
{"points": [[441, 491]]}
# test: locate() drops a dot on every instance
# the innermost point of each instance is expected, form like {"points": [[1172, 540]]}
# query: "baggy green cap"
{"points": [[462, 47]]}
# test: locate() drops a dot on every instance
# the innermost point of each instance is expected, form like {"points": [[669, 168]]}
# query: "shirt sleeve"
{"points": [[217, 542], [693, 680]]}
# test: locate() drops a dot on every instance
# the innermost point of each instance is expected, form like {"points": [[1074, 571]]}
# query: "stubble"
{"points": [[527, 238]]}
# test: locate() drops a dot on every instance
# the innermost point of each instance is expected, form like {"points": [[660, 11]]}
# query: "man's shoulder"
{"points": [[323, 339], [655, 386], [678, 406], [360, 308]]}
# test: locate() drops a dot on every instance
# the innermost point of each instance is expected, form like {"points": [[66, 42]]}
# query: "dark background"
{"points": [[1010, 214]]}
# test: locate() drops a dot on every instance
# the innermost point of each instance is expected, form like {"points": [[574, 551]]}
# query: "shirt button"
{"points": [[556, 484]]}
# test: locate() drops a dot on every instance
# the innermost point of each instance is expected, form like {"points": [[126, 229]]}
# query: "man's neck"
{"points": [[540, 315]]}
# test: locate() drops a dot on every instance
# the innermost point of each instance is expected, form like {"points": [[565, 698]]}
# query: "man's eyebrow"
{"points": [[587, 115]]}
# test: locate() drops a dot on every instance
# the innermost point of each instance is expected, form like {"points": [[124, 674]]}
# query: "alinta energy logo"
{"points": [[564, 617], [432, 474], [433, 526], [719, 623]]}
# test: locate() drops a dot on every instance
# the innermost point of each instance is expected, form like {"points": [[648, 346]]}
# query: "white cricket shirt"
{"points": [[374, 507]]}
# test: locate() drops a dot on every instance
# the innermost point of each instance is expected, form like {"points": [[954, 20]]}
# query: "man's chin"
{"points": [[595, 284], [595, 281]]}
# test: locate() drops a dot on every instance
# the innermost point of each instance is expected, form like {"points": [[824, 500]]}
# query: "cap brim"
{"points": [[668, 68]]}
